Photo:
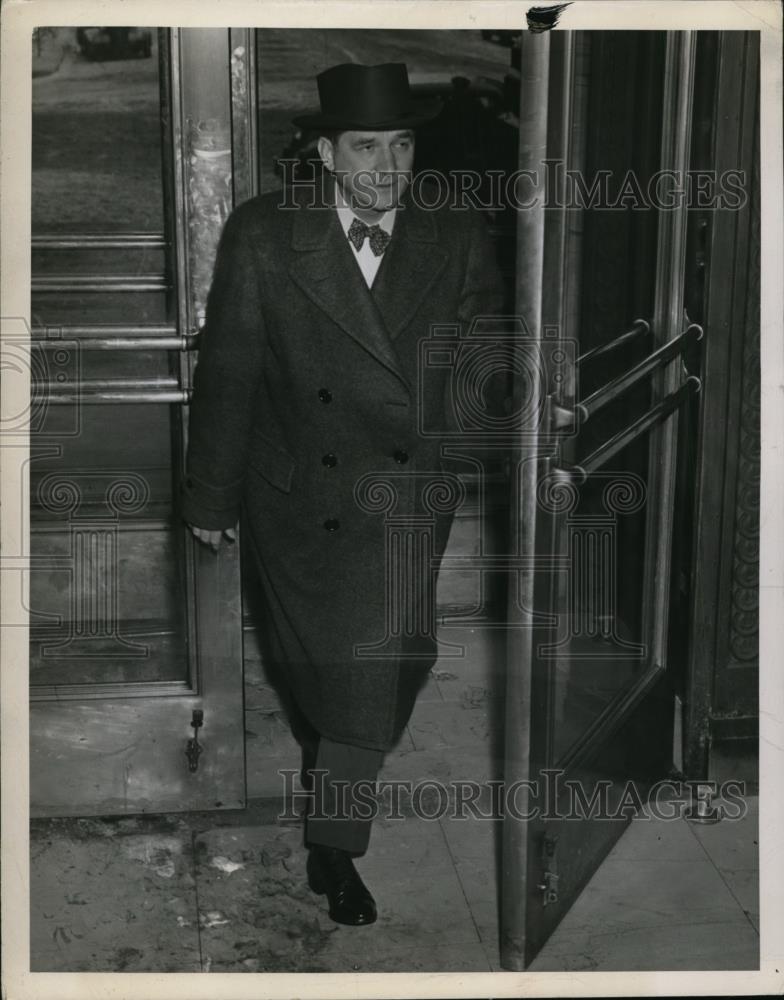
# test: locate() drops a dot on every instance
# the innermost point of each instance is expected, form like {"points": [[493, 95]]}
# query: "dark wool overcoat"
{"points": [[311, 416]]}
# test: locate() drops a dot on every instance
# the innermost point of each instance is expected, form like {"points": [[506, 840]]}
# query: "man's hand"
{"points": [[213, 538]]}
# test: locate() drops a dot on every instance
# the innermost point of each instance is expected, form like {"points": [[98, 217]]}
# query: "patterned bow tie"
{"points": [[379, 238]]}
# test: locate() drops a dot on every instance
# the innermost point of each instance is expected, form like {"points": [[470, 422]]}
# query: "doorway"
{"points": [[137, 635], [135, 631]]}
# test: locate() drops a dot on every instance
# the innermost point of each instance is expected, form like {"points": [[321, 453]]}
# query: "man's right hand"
{"points": [[211, 537]]}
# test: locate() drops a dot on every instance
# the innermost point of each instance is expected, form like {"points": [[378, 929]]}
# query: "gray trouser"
{"points": [[342, 815]]}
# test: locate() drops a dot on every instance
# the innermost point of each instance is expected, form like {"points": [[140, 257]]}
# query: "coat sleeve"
{"points": [[226, 379]]}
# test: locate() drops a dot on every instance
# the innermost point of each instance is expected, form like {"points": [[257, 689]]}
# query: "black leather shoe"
{"points": [[331, 872]]}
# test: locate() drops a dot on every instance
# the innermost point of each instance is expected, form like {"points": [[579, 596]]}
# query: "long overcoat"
{"points": [[319, 412]]}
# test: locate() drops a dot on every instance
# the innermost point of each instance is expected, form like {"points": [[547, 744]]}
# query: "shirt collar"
{"points": [[347, 216]]}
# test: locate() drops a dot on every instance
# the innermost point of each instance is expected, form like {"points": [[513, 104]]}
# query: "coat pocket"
{"points": [[271, 462]]}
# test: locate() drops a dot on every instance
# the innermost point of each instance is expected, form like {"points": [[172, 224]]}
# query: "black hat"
{"points": [[367, 98]]}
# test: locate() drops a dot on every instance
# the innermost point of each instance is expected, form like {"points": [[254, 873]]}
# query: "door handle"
{"points": [[647, 366], [114, 338], [580, 472], [66, 395], [194, 749], [562, 418], [639, 328]]}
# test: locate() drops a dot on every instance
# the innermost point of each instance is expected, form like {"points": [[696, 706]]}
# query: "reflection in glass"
{"points": [[470, 134], [600, 647], [107, 587], [96, 163]]}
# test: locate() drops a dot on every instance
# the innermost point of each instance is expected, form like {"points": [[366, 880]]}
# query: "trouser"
{"points": [[344, 779]]}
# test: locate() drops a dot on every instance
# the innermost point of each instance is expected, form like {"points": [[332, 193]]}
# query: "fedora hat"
{"points": [[367, 98]]}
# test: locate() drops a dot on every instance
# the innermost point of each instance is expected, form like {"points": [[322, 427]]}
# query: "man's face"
{"points": [[372, 168]]}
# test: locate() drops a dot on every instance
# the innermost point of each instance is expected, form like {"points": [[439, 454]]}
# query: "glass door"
{"points": [[590, 705], [135, 630]]}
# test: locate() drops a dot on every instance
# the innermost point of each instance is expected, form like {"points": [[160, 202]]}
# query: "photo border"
{"points": [[19, 18]]}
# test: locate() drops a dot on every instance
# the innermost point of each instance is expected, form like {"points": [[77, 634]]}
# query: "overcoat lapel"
{"points": [[411, 264], [324, 267]]}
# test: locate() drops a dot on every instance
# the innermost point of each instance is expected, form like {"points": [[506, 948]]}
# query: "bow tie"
{"points": [[379, 238]]}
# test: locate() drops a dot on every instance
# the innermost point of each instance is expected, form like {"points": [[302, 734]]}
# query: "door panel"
{"points": [[590, 701], [597, 648], [135, 630]]}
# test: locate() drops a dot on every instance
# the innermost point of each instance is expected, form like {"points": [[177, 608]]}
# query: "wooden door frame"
{"points": [[724, 277]]}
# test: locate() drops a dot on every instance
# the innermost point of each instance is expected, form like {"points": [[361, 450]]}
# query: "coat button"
{"points": [[330, 460], [401, 457], [325, 395], [332, 524]]}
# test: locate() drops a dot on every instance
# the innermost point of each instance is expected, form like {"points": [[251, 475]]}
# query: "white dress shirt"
{"points": [[367, 260]]}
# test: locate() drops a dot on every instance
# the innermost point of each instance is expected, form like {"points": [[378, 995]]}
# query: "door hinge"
{"points": [[549, 883], [194, 749]]}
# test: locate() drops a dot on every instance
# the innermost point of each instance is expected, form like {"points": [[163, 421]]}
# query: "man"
{"points": [[307, 417]]}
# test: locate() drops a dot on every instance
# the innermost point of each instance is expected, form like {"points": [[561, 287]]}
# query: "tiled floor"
{"points": [[669, 896], [226, 891]]}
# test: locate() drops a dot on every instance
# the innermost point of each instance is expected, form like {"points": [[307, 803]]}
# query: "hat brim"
{"points": [[417, 114]]}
